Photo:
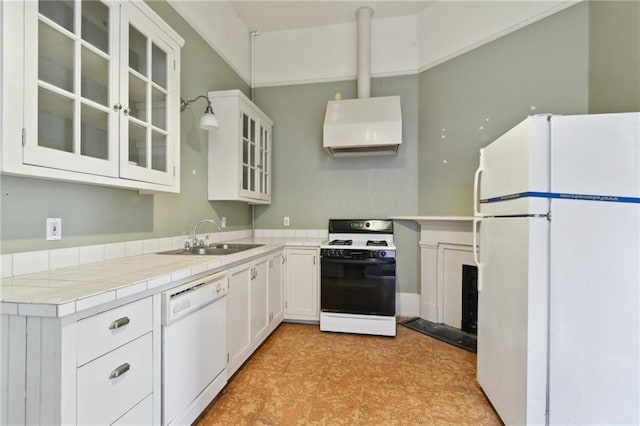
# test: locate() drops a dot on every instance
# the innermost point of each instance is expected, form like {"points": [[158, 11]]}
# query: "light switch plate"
{"points": [[54, 228]]}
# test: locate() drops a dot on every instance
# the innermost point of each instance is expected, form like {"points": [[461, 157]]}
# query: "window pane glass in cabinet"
{"points": [[137, 145], [94, 133], [252, 155], [55, 57], [252, 180], [55, 121], [159, 66], [159, 152], [245, 126], [252, 131], [95, 77], [137, 51], [159, 109], [61, 12], [137, 98], [245, 177], [95, 24], [245, 151]]}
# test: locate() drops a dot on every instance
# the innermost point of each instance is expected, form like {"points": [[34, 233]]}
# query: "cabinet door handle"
{"points": [[119, 371], [117, 107], [120, 322], [127, 111]]}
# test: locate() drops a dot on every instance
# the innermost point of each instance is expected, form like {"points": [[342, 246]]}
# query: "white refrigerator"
{"points": [[557, 227]]}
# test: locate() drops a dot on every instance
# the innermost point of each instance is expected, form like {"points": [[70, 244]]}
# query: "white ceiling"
{"points": [[267, 15]]}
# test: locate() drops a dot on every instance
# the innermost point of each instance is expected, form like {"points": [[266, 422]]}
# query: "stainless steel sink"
{"points": [[213, 249]]}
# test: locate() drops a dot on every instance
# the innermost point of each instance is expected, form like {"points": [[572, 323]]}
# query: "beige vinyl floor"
{"points": [[302, 376]]}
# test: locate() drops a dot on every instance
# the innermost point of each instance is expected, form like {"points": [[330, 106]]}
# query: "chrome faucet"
{"points": [[194, 240]]}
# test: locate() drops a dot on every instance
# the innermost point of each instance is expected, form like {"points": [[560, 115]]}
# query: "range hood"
{"points": [[363, 126], [369, 126]]}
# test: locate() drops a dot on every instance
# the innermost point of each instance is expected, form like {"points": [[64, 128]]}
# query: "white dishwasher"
{"points": [[194, 347]]}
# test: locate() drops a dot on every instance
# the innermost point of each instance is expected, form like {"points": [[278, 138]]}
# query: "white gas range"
{"points": [[358, 277]]}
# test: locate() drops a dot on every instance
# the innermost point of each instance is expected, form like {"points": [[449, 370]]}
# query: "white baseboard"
{"points": [[407, 304]]}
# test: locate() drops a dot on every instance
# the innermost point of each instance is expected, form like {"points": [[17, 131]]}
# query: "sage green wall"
{"points": [[96, 215], [544, 65], [310, 186], [467, 102], [614, 56]]}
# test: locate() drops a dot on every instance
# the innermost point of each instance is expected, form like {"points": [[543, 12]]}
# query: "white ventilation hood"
{"points": [[368, 126], [363, 126]]}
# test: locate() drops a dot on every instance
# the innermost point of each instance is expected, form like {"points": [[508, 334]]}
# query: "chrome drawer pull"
{"points": [[120, 370], [120, 322]]}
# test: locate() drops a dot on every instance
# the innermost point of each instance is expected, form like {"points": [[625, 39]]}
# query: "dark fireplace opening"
{"points": [[470, 299]]}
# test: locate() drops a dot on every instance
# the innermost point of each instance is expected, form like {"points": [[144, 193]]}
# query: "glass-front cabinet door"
{"points": [[101, 93], [249, 142], [148, 91], [256, 156], [264, 162], [71, 56]]}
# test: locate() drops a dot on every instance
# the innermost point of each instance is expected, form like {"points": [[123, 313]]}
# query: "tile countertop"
{"points": [[71, 290]]}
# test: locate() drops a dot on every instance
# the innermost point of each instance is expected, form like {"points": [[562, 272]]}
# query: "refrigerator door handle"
{"points": [[476, 257], [476, 185]]}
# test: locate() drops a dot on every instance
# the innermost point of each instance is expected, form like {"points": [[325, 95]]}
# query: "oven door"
{"points": [[358, 286]]}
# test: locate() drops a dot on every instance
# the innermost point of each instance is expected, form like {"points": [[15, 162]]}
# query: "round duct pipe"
{"points": [[364, 15]]}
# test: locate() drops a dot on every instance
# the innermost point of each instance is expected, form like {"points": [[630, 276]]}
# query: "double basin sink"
{"points": [[212, 250]]}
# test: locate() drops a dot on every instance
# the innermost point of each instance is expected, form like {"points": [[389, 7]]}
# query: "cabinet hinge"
{"points": [[24, 137], [174, 65], [174, 171], [314, 259], [227, 357]]}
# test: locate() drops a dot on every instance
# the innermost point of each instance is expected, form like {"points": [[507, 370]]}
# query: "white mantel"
{"points": [[446, 243]]}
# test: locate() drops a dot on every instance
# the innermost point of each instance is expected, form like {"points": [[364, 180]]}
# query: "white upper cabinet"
{"points": [[239, 150], [101, 94]]}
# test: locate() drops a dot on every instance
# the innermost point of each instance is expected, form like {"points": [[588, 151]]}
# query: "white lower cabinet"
{"points": [[103, 369], [276, 291], [141, 414], [238, 317], [113, 384], [302, 298], [253, 302], [259, 301]]}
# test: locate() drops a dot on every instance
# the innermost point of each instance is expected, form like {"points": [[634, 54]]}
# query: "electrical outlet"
{"points": [[54, 228], [286, 221], [223, 222]]}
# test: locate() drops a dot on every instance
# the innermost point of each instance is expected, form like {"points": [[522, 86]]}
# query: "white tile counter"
{"points": [[65, 291]]}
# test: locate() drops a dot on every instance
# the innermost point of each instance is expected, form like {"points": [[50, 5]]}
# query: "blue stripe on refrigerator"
{"points": [[563, 196]]}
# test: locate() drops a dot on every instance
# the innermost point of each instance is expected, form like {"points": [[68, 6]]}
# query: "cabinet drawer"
{"points": [[103, 398], [140, 415], [104, 332]]}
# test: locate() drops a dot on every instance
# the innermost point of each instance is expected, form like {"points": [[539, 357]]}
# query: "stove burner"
{"points": [[376, 243], [340, 242]]}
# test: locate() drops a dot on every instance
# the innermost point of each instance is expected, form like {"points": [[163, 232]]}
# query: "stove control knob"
{"points": [[383, 253]]}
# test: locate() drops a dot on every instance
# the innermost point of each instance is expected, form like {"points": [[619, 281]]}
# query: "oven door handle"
{"points": [[360, 261]]}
